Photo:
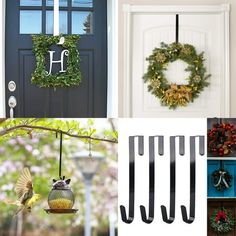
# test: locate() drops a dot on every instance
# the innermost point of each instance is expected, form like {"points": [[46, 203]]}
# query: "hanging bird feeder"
{"points": [[61, 198]]}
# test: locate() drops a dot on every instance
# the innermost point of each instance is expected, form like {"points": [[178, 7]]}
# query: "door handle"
{"points": [[12, 104]]}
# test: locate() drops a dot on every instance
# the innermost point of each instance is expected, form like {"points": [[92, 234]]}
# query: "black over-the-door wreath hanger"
{"points": [[172, 178], [130, 217], [191, 217], [150, 217]]}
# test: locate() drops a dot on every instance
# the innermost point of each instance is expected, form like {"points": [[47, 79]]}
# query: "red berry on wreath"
{"points": [[221, 150]]}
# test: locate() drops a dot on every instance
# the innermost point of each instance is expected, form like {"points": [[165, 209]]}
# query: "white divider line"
{"points": [[56, 18]]}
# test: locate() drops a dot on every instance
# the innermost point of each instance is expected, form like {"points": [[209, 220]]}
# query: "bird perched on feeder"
{"points": [[24, 190]]}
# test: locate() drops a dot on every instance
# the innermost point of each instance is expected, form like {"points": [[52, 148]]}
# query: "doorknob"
{"points": [[12, 86], [12, 104]]}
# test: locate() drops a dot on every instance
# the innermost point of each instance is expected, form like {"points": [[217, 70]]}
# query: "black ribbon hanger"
{"points": [[191, 217], [150, 217], [172, 178], [130, 217]]}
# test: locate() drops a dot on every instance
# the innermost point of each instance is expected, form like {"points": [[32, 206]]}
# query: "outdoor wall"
{"points": [[182, 2]]}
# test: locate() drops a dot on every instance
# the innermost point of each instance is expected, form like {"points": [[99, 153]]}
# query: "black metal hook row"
{"points": [[150, 217]]}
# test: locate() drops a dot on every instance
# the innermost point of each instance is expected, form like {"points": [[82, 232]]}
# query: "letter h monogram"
{"points": [[63, 53]]}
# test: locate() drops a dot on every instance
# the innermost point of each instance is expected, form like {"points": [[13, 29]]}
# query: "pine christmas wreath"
{"points": [[176, 95], [72, 76], [221, 179], [222, 139], [222, 221]]}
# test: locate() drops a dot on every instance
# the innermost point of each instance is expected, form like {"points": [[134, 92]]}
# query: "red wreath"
{"points": [[222, 139]]}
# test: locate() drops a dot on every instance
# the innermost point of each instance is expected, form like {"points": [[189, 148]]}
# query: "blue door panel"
{"points": [[211, 167], [230, 166]]}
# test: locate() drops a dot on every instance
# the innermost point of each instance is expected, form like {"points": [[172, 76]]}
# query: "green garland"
{"points": [[222, 221], [174, 95], [72, 76]]}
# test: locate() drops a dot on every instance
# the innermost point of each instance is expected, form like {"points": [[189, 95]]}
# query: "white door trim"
{"points": [[112, 58], [56, 18], [112, 97], [130, 10], [176, 8]]}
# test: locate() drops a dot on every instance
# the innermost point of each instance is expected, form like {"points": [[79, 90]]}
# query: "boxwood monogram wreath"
{"points": [[222, 221], [65, 78], [171, 94]]}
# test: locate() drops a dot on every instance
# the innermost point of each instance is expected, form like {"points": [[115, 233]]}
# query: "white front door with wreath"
{"points": [[176, 61]]}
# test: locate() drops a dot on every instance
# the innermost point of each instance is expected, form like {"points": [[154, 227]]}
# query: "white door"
{"points": [[207, 32]]}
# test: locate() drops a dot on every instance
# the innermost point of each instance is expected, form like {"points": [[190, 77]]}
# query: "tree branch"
{"points": [[30, 127]]}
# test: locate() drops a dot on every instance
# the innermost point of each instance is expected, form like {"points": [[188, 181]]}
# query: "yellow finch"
{"points": [[24, 190]]}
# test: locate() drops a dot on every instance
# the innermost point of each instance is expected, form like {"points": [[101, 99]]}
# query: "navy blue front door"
{"points": [[87, 18]]}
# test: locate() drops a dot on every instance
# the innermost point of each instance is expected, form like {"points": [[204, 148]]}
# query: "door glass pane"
{"points": [[30, 22], [49, 22], [82, 22], [62, 3], [30, 2], [82, 3], [63, 22], [62, 19]]}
